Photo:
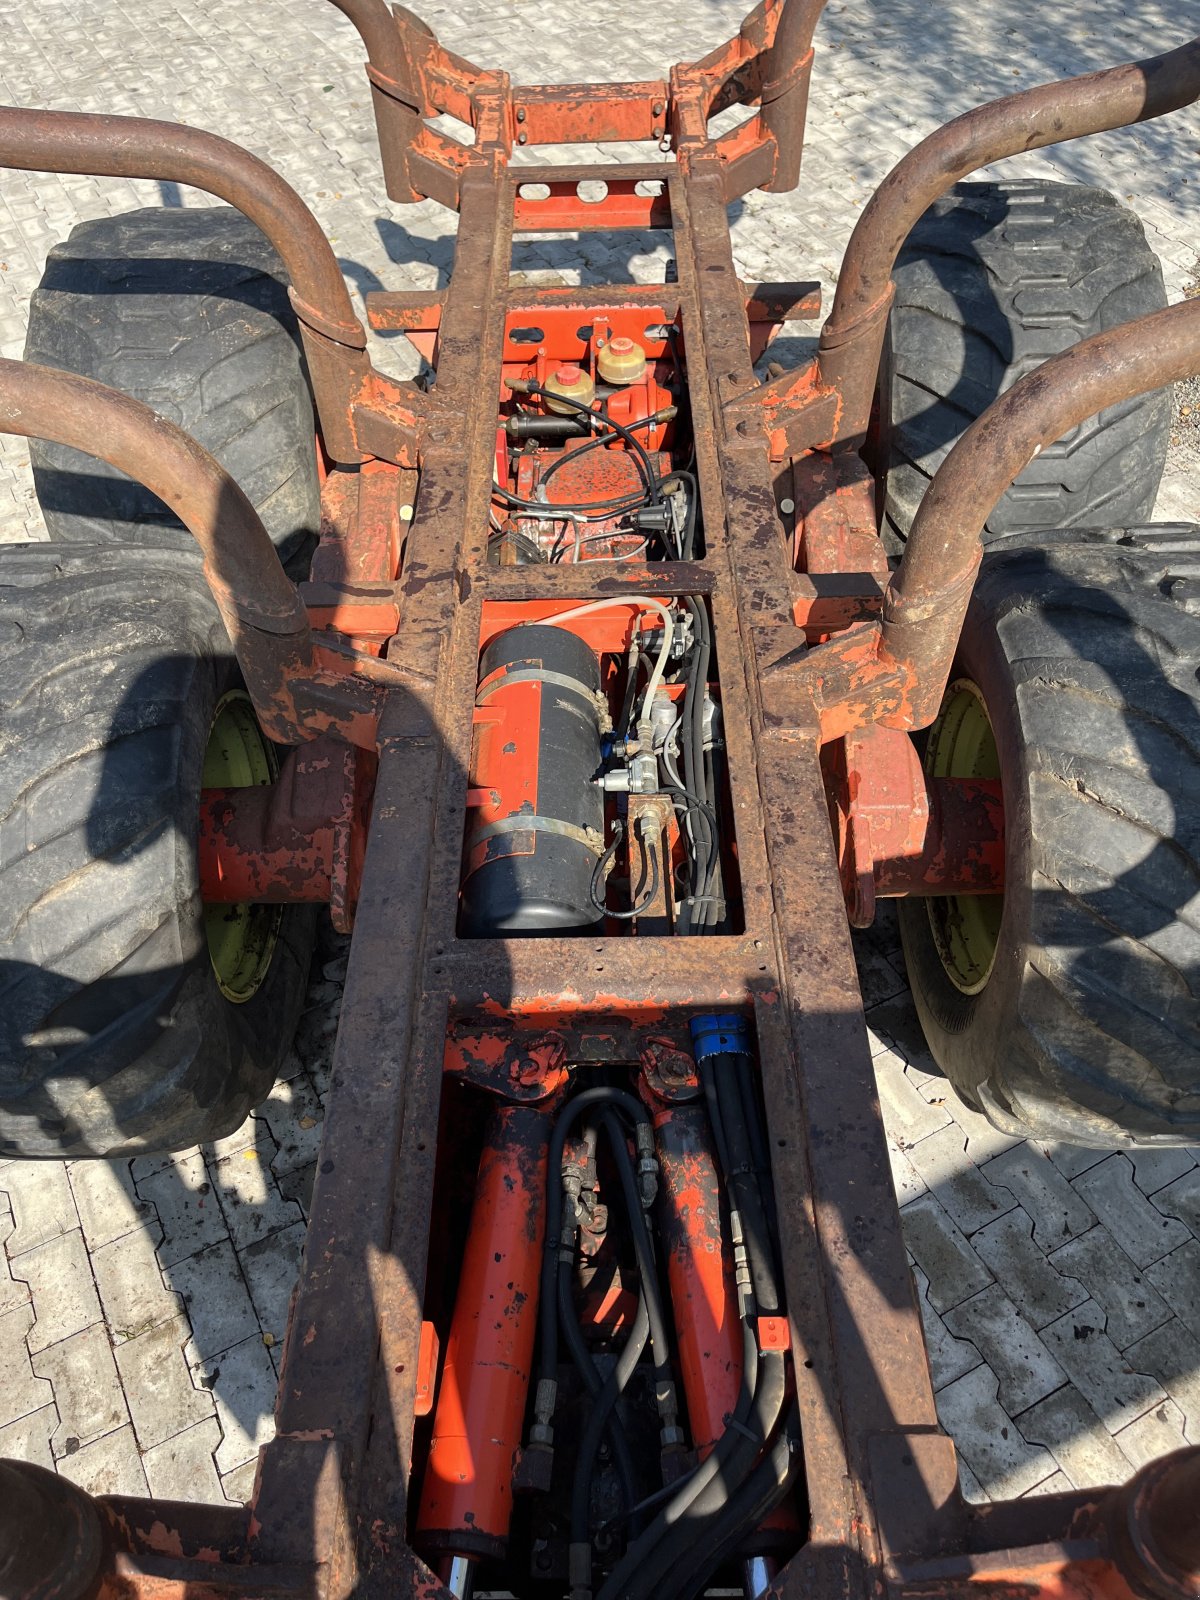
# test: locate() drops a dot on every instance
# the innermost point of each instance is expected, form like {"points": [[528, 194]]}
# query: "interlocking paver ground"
{"points": [[1034, 1243]]}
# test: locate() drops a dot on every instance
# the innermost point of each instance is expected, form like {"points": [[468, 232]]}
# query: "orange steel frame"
{"points": [[377, 661]]}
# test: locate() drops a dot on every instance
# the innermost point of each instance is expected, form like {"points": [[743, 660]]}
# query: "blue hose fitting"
{"points": [[720, 1033]]}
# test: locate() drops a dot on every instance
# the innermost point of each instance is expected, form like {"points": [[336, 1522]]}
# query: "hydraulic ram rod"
{"points": [[852, 337]]}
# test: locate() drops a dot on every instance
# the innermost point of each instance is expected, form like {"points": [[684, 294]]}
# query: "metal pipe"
{"points": [[262, 611], [394, 93], [1154, 1527], [926, 601], [51, 1535], [785, 74], [137, 147], [852, 337]]}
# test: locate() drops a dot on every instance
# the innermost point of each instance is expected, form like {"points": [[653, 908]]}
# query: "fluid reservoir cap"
{"points": [[574, 383], [621, 361]]}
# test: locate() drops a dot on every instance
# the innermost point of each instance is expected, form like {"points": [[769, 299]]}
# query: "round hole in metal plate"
{"points": [[648, 188], [592, 191], [534, 191]]}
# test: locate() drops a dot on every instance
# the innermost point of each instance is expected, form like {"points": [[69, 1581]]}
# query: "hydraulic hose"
{"points": [[643, 1248], [570, 1115], [605, 1401], [594, 1384], [746, 1510], [649, 1559]]}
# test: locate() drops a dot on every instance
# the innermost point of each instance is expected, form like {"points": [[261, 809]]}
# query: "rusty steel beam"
{"points": [[852, 337], [894, 671], [137, 147], [265, 619]]}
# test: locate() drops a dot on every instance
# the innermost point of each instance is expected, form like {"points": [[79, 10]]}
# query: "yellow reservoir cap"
{"points": [[573, 383], [621, 360]]}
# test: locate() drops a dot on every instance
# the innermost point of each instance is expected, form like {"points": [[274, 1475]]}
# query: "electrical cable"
{"points": [[664, 650], [649, 865]]}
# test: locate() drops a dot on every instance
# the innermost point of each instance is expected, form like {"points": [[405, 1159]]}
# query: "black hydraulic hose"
{"points": [[747, 1510], [643, 1247], [593, 444], [683, 1494], [741, 1178], [592, 1381], [758, 1148], [568, 1117], [647, 1562], [653, 487], [691, 1526], [708, 1083], [603, 1405]]}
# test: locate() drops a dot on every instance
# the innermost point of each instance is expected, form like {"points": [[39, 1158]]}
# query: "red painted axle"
{"points": [[902, 832], [296, 841], [954, 846], [252, 850]]}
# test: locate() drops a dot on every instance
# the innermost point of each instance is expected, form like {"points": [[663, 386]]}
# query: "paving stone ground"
{"points": [[143, 1304]]}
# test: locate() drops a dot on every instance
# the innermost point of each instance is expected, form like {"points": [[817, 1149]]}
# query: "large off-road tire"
{"points": [[995, 278], [115, 1035], [188, 311], [1069, 1007]]}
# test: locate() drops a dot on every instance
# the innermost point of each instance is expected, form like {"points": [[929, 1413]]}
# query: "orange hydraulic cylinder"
{"points": [[700, 1271], [466, 1500]]}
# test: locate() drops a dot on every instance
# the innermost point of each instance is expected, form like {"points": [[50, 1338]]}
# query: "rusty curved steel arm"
{"points": [[852, 337], [138, 147], [895, 671], [785, 86], [396, 98], [262, 611]]}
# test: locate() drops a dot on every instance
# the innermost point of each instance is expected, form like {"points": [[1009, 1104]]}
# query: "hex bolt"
{"points": [[522, 138], [520, 113], [658, 108]]}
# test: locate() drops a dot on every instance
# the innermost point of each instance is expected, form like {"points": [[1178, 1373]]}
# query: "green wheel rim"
{"points": [[966, 927], [241, 938]]}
